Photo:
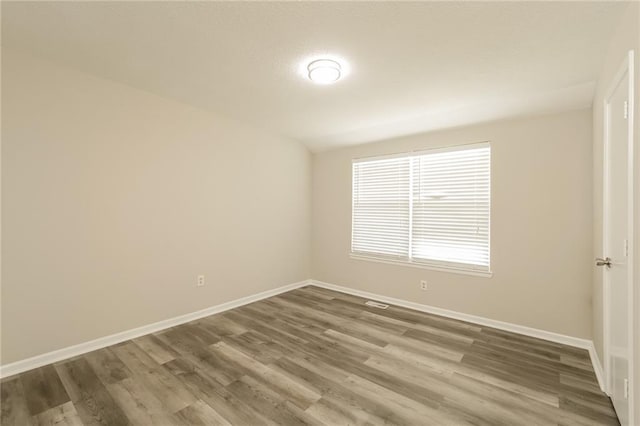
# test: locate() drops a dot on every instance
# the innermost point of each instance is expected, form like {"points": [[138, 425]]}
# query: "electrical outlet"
{"points": [[423, 284], [200, 282]]}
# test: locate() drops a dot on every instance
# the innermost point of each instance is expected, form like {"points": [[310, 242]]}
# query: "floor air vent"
{"points": [[376, 304]]}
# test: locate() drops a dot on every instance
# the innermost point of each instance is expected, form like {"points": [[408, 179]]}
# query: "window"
{"points": [[429, 208]]}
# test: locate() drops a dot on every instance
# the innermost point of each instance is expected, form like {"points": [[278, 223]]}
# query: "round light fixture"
{"points": [[324, 71]]}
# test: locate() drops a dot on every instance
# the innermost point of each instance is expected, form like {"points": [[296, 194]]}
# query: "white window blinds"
{"points": [[381, 208], [427, 208]]}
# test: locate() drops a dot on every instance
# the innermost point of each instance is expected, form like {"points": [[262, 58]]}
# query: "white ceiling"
{"points": [[414, 66]]}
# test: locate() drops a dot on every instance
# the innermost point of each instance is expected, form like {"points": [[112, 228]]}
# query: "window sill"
{"points": [[454, 270]]}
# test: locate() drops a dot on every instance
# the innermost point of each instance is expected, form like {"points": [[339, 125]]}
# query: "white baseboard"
{"points": [[597, 366], [92, 345], [501, 325]]}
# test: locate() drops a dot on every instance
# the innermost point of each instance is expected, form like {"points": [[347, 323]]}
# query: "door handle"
{"points": [[603, 262]]}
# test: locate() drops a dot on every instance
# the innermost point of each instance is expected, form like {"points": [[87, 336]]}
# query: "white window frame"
{"points": [[459, 268]]}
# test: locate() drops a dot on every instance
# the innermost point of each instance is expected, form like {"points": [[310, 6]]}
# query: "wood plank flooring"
{"points": [[314, 356]]}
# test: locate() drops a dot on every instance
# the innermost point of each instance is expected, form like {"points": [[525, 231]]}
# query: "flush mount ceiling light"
{"points": [[324, 71]]}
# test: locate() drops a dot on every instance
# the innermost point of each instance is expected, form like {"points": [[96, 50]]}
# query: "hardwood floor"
{"points": [[319, 357]]}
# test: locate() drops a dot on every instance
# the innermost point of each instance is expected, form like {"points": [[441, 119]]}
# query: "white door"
{"points": [[618, 224]]}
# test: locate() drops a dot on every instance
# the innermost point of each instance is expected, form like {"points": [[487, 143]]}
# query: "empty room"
{"points": [[326, 213]]}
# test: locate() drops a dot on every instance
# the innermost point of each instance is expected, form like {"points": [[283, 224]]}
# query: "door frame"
{"points": [[627, 68]]}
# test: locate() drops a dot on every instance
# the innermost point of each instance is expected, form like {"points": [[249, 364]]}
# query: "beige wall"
{"points": [[541, 226], [114, 200], [627, 37]]}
